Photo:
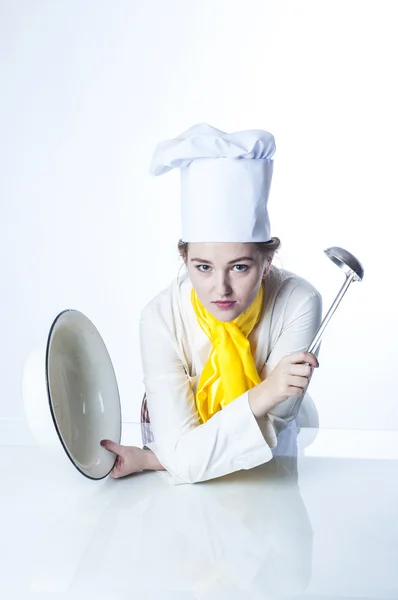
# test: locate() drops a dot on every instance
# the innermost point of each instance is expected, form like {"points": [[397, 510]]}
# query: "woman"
{"points": [[224, 347]]}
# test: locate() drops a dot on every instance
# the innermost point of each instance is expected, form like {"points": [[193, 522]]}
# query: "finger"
{"points": [[112, 446], [304, 357], [116, 471], [301, 370], [295, 391], [296, 381]]}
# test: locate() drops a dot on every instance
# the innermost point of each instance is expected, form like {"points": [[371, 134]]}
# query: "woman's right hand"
{"points": [[289, 378]]}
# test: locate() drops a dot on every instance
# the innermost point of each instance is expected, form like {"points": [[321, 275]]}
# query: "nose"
{"points": [[223, 287]]}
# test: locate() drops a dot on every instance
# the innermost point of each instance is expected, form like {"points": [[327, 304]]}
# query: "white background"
{"points": [[89, 87]]}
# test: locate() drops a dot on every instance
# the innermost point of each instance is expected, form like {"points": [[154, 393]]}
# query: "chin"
{"points": [[225, 319], [224, 316]]}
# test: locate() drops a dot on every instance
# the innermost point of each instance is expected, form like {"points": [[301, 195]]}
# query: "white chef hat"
{"points": [[225, 182]]}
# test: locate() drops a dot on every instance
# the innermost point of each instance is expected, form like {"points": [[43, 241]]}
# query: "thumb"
{"points": [[112, 446]]}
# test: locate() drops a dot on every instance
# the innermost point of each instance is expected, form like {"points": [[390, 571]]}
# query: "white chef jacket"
{"points": [[174, 350]]}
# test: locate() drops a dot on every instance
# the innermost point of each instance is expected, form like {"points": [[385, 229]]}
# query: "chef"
{"points": [[224, 346]]}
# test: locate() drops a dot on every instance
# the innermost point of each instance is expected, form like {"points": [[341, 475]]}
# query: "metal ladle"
{"points": [[353, 271]]}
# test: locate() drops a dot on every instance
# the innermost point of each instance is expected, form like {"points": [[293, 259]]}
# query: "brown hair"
{"points": [[267, 249]]}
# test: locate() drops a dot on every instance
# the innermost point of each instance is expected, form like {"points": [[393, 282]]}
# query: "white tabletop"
{"points": [[308, 526]]}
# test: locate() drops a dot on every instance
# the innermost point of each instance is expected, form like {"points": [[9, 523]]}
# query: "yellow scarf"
{"points": [[230, 370]]}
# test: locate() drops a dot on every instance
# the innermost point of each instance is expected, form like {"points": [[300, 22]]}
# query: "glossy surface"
{"points": [[73, 381], [346, 261], [309, 527]]}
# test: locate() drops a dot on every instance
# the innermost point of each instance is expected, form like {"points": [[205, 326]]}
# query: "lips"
{"points": [[228, 304]]}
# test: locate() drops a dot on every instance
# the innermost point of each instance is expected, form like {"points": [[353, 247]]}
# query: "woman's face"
{"points": [[226, 272]]}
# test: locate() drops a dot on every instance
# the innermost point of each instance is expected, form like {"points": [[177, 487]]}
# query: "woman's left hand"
{"points": [[129, 458]]}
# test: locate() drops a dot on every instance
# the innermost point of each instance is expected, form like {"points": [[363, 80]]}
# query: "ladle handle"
{"points": [[318, 336]]}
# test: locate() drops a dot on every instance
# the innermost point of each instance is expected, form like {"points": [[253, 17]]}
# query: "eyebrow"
{"points": [[208, 262]]}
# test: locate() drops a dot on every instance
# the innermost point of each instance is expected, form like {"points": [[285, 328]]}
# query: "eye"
{"points": [[242, 268], [199, 268]]}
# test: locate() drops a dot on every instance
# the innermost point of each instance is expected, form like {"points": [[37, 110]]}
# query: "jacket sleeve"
{"points": [[301, 319]]}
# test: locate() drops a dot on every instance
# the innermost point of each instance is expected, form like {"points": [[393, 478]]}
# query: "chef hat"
{"points": [[225, 182]]}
